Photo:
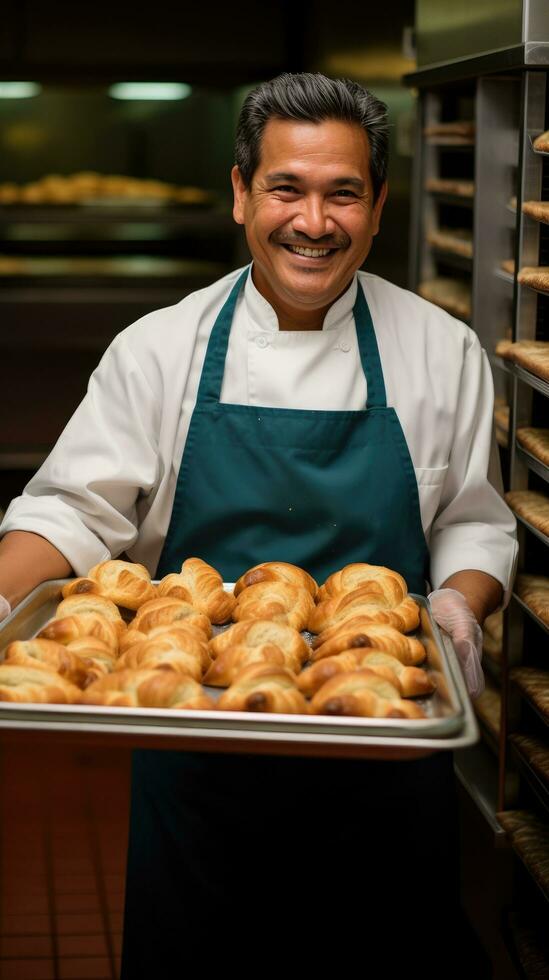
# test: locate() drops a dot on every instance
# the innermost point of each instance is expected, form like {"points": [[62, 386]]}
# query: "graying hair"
{"points": [[311, 97]]}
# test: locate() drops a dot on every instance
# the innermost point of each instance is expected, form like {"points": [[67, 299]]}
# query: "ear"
{"points": [[240, 192], [378, 207]]}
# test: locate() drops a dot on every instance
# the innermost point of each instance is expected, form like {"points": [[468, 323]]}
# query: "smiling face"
{"points": [[309, 212]]}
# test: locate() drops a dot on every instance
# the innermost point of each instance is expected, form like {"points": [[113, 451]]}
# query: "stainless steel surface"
{"points": [[450, 721], [450, 29]]}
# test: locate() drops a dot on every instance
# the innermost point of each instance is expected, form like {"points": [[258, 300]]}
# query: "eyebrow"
{"points": [[339, 182]]}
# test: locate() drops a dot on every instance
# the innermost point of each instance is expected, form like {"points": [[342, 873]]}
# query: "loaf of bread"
{"points": [[22, 683], [48, 655], [535, 441], [538, 210], [532, 506], [148, 689], [279, 601], [264, 687], [534, 591], [537, 277], [365, 694], [204, 586], [370, 605], [276, 571], [359, 633], [541, 142], [170, 612]]}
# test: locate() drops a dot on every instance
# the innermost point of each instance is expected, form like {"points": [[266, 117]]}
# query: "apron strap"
{"points": [[369, 351], [209, 389]]}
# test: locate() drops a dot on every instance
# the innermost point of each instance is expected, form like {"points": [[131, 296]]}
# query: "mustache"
{"points": [[334, 241]]}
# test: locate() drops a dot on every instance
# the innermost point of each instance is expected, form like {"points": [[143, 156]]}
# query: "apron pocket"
{"points": [[429, 484]]}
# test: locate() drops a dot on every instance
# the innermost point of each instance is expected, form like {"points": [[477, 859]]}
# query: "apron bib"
{"points": [[222, 843]]}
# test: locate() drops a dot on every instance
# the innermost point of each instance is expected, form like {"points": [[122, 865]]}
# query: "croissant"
{"points": [[365, 694], [205, 589], [369, 605], [72, 627], [228, 665], [276, 571], [409, 681], [79, 605], [170, 612], [48, 655], [36, 685], [258, 633], [264, 687], [125, 583], [383, 581], [96, 656], [278, 601], [148, 689], [357, 634], [167, 651]]}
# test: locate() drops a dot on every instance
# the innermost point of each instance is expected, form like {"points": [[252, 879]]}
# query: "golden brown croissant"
{"points": [[148, 689], [205, 589], [96, 656], [259, 632], [125, 583], [72, 627], [228, 665], [365, 694], [368, 604], [358, 634], [186, 655], [35, 685], [382, 581], [409, 681], [47, 655], [79, 605], [278, 601], [264, 687], [276, 571], [170, 612]]}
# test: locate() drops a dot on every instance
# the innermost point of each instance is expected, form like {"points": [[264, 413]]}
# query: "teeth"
{"points": [[309, 252]]}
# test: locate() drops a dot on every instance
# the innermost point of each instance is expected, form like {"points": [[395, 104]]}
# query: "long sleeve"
{"points": [[473, 527], [83, 498]]}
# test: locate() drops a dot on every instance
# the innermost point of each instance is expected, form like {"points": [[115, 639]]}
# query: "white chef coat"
{"points": [[109, 483]]}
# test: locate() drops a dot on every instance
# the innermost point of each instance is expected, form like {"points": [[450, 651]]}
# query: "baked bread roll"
{"points": [[532, 506], [125, 583], [35, 685], [531, 355], [380, 580], [48, 655], [254, 633], [148, 689], [508, 265], [537, 277], [205, 588], [88, 624], [535, 684], [440, 185], [96, 656], [185, 654], [359, 633], [264, 687], [369, 604], [276, 571], [170, 612], [538, 210], [279, 601], [534, 592], [535, 441], [79, 605], [365, 694], [453, 295], [541, 142]]}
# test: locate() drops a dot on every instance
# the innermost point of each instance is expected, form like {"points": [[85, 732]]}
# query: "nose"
{"points": [[312, 218]]}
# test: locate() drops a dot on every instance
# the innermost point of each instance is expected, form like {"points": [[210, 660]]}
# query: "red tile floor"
{"points": [[63, 841]]}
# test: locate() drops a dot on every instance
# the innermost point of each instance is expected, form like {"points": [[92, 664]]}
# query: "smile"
{"points": [[309, 253]]}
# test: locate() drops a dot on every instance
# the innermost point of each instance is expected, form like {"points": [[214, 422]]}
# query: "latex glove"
{"points": [[451, 611], [5, 608]]}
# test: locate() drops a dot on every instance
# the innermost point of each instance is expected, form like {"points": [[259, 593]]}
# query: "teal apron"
{"points": [[227, 851]]}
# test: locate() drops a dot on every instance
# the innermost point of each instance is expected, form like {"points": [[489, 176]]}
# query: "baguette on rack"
{"points": [[277, 571], [204, 587]]}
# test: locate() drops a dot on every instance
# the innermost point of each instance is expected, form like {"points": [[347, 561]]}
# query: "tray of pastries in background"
{"points": [[353, 665]]}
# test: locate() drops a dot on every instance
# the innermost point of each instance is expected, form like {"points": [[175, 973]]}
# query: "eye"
{"points": [[285, 188], [344, 192]]}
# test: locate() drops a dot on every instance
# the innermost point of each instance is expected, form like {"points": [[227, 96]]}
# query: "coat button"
{"points": [[345, 346], [261, 342]]}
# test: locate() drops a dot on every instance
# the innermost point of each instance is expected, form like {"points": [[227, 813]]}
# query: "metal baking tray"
{"points": [[450, 721]]}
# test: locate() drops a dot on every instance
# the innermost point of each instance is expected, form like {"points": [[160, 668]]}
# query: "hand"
{"points": [[451, 611], [5, 608]]}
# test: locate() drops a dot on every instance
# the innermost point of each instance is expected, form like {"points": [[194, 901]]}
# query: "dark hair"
{"points": [[311, 97]]}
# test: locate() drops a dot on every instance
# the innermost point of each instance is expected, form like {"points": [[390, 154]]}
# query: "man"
{"points": [[300, 411]]}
